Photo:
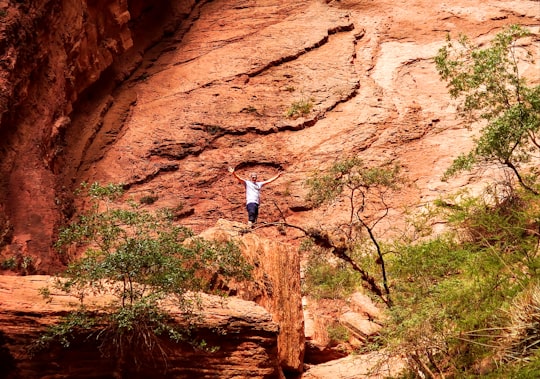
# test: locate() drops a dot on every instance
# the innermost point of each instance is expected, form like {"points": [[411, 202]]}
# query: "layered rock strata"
{"points": [[275, 285], [51, 53], [244, 334]]}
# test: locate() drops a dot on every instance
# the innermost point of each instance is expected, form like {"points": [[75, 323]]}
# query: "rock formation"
{"points": [[275, 285], [164, 96], [244, 333], [252, 343], [54, 54]]}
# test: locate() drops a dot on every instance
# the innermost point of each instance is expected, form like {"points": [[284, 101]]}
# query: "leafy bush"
{"points": [[337, 333], [326, 280], [365, 190], [24, 264], [521, 338], [9, 263], [457, 288], [148, 199], [299, 108], [139, 259], [492, 88]]}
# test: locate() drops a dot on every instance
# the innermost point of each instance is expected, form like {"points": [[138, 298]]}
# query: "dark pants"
{"points": [[253, 211]]}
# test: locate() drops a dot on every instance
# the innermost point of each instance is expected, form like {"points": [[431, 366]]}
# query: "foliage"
{"points": [[24, 264], [337, 333], [329, 280], [353, 175], [299, 108], [365, 190], [492, 88], [148, 199], [521, 338], [9, 263], [460, 288], [139, 259]]}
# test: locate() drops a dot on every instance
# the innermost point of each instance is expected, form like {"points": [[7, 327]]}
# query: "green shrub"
{"points": [[489, 81], [457, 287], [24, 264], [325, 280], [521, 338], [337, 333], [365, 190], [138, 258], [9, 263], [148, 199], [299, 108]]}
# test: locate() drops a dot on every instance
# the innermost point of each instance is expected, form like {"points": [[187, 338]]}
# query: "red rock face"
{"points": [[250, 348], [51, 53], [83, 100], [165, 96], [275, 285]]}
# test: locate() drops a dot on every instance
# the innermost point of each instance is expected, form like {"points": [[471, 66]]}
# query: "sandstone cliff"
{"points": [[164, 96], [52, 53], [244, 333], [262, 341], [275, 286]]}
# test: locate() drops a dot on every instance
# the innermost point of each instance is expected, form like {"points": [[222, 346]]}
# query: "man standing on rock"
{"points": [[253, 191]]}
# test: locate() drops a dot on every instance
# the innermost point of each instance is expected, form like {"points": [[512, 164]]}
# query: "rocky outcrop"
{"points": [[245, 335], [275, 285], [358, 314], [374, 365], [267, 345], [84, 97], [165, 95], [51, 53]]}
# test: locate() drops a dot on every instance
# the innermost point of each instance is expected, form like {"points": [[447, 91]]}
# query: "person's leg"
{"points": [[253, 212], [256, 213]]}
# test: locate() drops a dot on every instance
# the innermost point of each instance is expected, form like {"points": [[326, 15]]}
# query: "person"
{"points": [[253, 191]]}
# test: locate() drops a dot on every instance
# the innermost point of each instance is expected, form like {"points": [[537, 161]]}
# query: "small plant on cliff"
{"points": [[139, 260], [21, 263], [299, 108], [365, 190], [148, 199], [9, 263], [492, 87]]}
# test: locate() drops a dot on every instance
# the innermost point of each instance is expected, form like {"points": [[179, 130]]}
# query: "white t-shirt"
{"points": [[253, 191]]}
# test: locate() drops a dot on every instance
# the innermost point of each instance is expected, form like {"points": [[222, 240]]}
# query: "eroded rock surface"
{"points": [[275, 285], [51, 54], [245, 334], [85, 98], [218, 95]]}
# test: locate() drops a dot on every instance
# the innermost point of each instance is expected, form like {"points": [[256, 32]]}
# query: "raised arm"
{"points": [[272, 178], [231, 170]]}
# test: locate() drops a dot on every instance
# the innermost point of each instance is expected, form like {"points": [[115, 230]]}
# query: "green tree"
{"points": [[366, 190], [492, 88], [139, 259], [472, 290]]}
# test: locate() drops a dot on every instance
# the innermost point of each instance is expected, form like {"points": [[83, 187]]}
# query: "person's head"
{"points": [[253, 176]]}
